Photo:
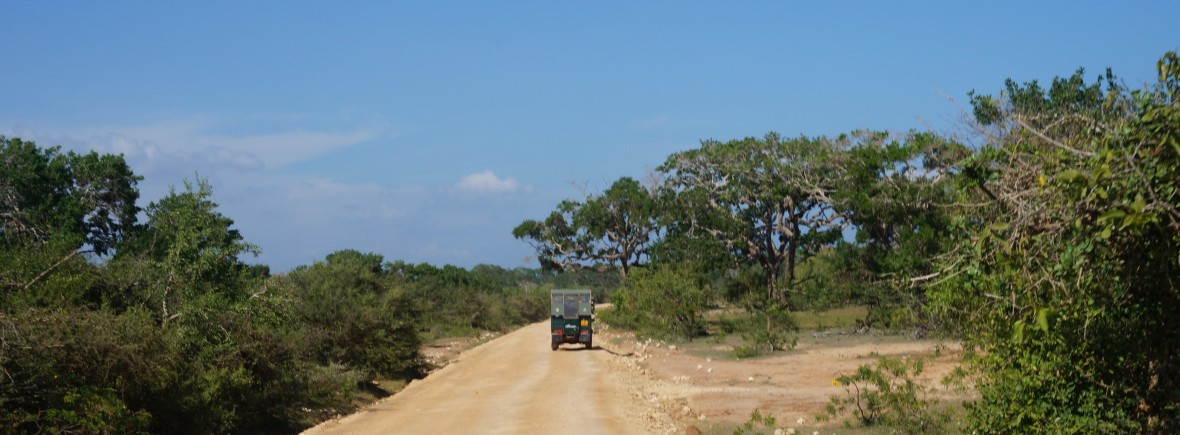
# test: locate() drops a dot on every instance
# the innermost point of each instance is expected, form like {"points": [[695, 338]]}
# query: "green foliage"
{"points": [[195, 247], [88, 199], [767, 327], [660, 301], [896, 194], [454, 301], [54, 209], [161, 338], [175, 334], [349, 313], [65, 370], [609, 231], [122, 373], [620, 223], [47, 275], [887, 394], [767, 200], [685, 220], [826, 280], [1062, 272], [1041, 108], [85, 411], [221, 367], [757, 424]]}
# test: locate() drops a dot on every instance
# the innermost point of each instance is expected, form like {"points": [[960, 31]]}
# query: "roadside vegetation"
{"points": [[1047, 241], [113, 325]]}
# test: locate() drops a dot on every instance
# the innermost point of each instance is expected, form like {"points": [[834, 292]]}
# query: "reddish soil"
{"points": [[705, 387]]}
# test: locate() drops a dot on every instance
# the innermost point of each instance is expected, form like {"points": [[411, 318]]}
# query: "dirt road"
{"points": [[515, 385], [511, 385]]}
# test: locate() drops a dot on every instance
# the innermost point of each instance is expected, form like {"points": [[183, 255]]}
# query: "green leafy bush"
{"points": [[348, 313], [887, 394], [662, 301], [1063, 269], [757, 424], [766, 327], [78, 370]]}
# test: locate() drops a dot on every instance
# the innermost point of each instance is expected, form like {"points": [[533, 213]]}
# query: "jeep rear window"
{"points": [[571, 306]]}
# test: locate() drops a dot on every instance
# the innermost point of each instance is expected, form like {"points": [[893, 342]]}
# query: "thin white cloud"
{"points": [[281, 149], [203, 141], [487, 182], [298, 220], [296, 217], [332, 201]]}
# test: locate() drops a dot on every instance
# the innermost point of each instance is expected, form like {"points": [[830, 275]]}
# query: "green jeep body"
{"points": [[571, 317]]}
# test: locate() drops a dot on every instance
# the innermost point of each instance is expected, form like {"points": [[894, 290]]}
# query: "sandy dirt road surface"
{"points": [[511, 385]]}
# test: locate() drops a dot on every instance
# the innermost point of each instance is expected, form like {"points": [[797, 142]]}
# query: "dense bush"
{"points": [[278, 355], [1063, 272], [174, 333], [660, 301], [350, 312], [453, 301], [72, 369]]}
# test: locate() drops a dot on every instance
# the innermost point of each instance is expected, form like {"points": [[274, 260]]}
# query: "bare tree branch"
{"points": [[46, 272], [1056, 143]]}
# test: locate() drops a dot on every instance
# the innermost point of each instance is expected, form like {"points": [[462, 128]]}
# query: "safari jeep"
{"points": [[571, 315]]}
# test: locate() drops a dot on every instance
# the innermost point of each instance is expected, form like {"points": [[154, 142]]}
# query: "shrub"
{"points": [[768, 327], [1062, 268], [756, 424], [887, 394], [662, 302], [349, 314], [76, 370]]}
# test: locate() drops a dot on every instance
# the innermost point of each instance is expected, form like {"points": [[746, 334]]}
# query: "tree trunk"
{"points": [[792, 253], [771, 283]]}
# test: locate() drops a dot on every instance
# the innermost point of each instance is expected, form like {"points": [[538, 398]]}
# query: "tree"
{"points": [[54, 209], [350, 312], [768, 200], [609, 231], [687, 225], [187, 250], [621, 223], [87, 198], [895, 193], [369, 262], [1063, 269]]}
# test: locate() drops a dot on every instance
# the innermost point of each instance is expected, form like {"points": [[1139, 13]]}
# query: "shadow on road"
{"points": [[578, 348], [595, 348]]}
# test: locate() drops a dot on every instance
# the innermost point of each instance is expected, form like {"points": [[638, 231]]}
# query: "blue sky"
{"points": [[426, 131]]}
